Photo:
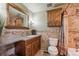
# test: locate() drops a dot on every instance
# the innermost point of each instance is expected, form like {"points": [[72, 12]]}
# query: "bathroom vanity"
{"points": [[20, 42], [29, 46]]}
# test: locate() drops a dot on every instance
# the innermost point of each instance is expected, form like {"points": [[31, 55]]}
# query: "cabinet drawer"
{"points": [[19, 48]]}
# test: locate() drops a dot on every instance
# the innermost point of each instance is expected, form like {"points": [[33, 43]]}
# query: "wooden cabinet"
{"points": [[28, 47], [20, 48], [36, 45], [28, 50], [34, 48], [54, 17]]}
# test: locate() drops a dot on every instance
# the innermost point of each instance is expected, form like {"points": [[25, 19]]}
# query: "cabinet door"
{"points": [[38, 44], [34, 48], [29, 50], [50, 18], [20, 48], [54, 17], [57, 19]]}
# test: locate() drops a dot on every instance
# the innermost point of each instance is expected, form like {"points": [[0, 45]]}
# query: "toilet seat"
{"points": [[53, 51]]}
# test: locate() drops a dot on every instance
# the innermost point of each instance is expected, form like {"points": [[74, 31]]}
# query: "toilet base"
{"points": [[53, 51]]}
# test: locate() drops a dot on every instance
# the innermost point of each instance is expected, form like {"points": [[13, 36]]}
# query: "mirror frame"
{"points": [[18, 9]]}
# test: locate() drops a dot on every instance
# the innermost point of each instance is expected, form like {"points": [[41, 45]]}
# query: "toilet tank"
{"points": [[53, 41]]}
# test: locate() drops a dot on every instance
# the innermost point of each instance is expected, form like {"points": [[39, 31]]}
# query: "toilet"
{"points": [[52, 49]]}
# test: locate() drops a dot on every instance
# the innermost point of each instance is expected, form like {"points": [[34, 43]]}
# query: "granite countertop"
{"points": [[18, 38], [29, 37]]}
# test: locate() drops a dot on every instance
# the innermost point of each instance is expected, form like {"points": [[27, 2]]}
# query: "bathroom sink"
{"points": [[32, 35]]}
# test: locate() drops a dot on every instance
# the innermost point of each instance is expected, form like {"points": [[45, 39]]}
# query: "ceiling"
{"points": [[37, 7]]}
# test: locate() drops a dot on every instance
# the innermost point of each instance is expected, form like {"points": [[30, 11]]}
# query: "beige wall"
{"points": [[39, 21]]}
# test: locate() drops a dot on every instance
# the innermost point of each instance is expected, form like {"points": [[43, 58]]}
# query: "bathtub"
{"points": [[72, 52]]}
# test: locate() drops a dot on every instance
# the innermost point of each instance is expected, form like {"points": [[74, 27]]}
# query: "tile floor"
{"points": [[42, 53]]}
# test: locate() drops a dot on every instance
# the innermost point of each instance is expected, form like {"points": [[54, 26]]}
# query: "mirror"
{"points": [[16, 16], [1, 24], [3, 17]]}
